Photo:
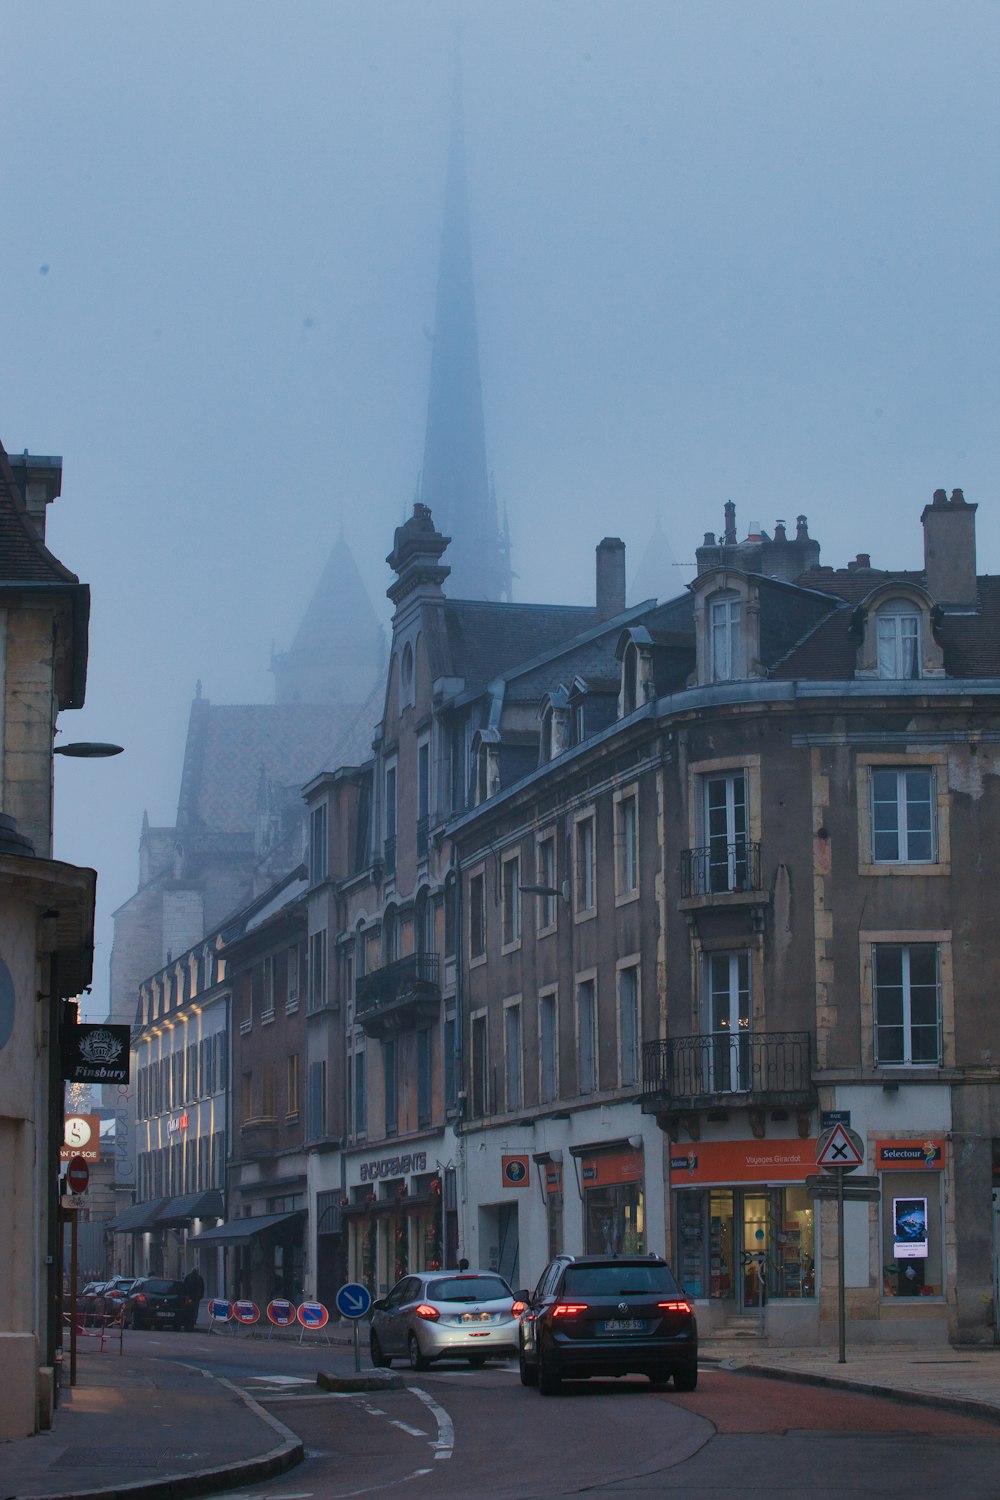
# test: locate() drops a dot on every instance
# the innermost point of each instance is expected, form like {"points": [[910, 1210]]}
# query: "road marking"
{"points": [[405, 1427], [445, 1441], [284, 1379]]}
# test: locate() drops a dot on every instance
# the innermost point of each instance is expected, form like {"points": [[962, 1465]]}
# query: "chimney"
{"points": [[610, 577], [950, 549]]}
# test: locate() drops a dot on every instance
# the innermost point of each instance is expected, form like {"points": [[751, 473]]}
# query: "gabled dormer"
{"points": [[727, 627], [894, 625], [635, 652], [554, 716]]}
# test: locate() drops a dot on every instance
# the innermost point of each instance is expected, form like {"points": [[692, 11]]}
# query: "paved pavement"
{"points": [[158, 1430]]}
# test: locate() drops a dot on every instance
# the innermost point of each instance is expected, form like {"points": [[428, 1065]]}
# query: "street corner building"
{"points": [[46, 931]]}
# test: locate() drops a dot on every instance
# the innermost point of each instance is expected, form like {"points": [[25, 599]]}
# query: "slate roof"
{"points": [[485, 639], [24, 557]]}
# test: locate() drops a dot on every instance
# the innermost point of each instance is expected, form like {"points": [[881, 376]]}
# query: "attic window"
{"points": [[725, 637], [630, 681], [898, 640]]}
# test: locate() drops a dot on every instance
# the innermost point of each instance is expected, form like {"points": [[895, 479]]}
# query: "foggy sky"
{"points": [[723, 251]]}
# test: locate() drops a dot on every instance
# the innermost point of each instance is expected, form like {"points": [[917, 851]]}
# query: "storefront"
{"points": [[744, 1227], [912, 1222], [396, 1220], [610, 1179]]}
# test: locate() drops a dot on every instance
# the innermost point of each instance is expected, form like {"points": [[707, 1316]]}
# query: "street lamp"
{"points": [[88, 749]]}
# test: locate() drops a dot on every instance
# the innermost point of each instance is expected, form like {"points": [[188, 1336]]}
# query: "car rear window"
{"points": [[617, 1280], [159, 1287], [467, 1289]]}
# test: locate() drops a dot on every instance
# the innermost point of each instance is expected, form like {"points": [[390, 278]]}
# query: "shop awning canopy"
{"points": [[242, 1231], [138, 1218], [207, 1205]]}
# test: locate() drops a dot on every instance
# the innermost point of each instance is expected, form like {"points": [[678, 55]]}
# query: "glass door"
{"points": [[755, 1223]]}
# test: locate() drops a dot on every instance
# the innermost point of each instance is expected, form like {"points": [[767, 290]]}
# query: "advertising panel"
{"points": [[909, 1228]]}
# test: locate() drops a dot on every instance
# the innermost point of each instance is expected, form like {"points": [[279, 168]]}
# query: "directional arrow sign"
{"points": [[353, 1300], [840, 1148]]}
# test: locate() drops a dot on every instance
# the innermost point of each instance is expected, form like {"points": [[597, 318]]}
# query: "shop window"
{"points": [[512, 1055], [614, 1219], [911, 1234], [747, 1245], [907, 1004]]}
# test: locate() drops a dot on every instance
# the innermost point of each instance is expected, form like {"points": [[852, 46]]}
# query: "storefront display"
{"points": [[611, 1184]]}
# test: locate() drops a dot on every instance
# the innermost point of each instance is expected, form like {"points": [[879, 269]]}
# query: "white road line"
{"points": [[405, 1427], [445, 1443]]}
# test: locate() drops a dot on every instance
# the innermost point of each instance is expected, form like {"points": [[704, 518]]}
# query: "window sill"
{"points": [[245, 1027], [901, 867], [623, 898], [291, 1006], [267, 1017]]}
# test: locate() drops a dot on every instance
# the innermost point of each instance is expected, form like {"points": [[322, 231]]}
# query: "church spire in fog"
{"points": [[454, 482]]}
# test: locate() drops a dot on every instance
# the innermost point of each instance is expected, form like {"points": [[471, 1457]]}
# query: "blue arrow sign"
{"points": [[353, 1300]]}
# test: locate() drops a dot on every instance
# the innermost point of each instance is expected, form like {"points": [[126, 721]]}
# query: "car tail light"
{"points": [[188, 1301], [675, 1306], [426, 1311], [564, 1309], [141, 1297], [518, 1308]]}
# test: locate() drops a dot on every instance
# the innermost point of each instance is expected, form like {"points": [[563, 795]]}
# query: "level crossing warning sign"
{"points": [[840, 1149]]}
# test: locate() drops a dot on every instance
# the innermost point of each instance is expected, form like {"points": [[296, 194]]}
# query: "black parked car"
{"points": [[156, 1303], [608, 1315]]}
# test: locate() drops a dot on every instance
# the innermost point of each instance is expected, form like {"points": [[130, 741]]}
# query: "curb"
{"points": [[965, 1405], [289, 1452]]}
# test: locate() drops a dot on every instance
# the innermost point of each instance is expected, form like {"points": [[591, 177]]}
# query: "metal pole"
{"points": [[73, 1263], [841, 1315], [357, 1348]]}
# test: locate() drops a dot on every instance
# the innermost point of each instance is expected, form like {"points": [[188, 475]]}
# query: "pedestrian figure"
{"points": [[195, 1288]]}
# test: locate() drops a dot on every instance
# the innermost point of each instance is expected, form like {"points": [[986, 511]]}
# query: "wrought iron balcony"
{"points": [[759, 1068], [720, 869], [404, 993]]}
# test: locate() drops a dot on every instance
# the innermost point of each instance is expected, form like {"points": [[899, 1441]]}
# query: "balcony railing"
{"points": [[720, 869], [403, 993], [768, 1067]]}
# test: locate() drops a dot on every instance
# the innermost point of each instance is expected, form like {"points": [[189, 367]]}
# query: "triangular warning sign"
{"points": [[839, 1150]]}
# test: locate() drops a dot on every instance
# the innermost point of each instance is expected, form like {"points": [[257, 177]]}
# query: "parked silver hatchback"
{"points": [[433, 1315]]}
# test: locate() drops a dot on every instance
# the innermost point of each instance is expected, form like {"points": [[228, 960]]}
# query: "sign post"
{"points": [[353, 1301], [840, 1150]]}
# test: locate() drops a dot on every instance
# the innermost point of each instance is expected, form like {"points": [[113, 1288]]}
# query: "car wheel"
{"points": [[417, 1361], [477, 1361], [549, 1378], [529, 1373], [685, 1380], [379, 1360]]}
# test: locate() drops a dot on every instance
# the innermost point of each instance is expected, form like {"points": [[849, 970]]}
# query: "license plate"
{"points": [[624, 1325], [475, 1318]]}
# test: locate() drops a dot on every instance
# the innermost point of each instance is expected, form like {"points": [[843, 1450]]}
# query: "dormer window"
{"points": [[898, 640], [630, 681], [725, 619]]}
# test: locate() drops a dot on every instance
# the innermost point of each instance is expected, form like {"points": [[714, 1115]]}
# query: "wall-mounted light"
{"points": [[88, 750]]}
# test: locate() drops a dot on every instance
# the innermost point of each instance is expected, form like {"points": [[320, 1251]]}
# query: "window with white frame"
{"points": [[477, 917], [479, 1067], [725, 624], [584, 872], [902, 814], [317, 1100], [548, 1047], [897, 635], [546, 910], [906, 984], [511, 901], [512, 1055], [318, 844], [626, 844], [317, 970], [628, 1025], [586, 1036], [726, 1010], [292, 1085]]}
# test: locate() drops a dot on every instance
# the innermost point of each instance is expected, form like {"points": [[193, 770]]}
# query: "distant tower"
{"points": [[454, 482], [339, 648]]}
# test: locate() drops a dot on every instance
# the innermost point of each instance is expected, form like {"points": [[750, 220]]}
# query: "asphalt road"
{"points": [[460, 1434]]}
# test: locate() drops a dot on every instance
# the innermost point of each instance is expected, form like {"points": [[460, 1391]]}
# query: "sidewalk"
{"points": [[965, 1379], [148, 1427]]}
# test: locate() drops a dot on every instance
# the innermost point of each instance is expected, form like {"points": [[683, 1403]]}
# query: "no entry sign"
{"points": [[78, 1175]]}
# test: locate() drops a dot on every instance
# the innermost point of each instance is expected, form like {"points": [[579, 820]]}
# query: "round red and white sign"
{"points": [[78, 1175]]}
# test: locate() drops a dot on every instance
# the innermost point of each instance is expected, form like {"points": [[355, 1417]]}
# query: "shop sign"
{"points": [[605, 1168], [81, 1137], [514, 1171], [902, 1156], [726, 1162], [394, 1166], [553, 1177], [95, 1054], [179, 1122]]}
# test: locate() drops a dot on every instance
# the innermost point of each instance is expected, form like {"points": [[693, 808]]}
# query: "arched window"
{"points": [[898, 639], [725, 637]]}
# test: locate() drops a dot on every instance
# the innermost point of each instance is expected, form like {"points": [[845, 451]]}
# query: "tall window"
{"points": [[907, 992], [725, 644], [389, 1084], [723, 863], [317, 970], [898, 640], [389, 821], [267, 1090], [360, 1094], [727, 1021], [423, 795], [318, 844], [292, 1084], [628, 1025], [479, 1068], [548, 1047], [545, 865], [512, 1055], [586, 1036], [424, 1076], [511, 901], [586, 897], [477, 917], [450, 1096], [317, 1100], [627, 844], [902, 815]]}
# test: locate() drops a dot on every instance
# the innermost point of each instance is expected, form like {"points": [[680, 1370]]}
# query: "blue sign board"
{"points": [[353, 1300]]}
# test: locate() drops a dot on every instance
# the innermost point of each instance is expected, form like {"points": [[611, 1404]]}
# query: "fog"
{"points": [[723, 251]]}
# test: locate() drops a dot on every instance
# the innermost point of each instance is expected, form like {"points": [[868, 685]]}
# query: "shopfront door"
{"points": [[755, 1247]]}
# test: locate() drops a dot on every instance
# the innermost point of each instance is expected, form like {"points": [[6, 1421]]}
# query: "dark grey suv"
{"points": [[608, 1315]]}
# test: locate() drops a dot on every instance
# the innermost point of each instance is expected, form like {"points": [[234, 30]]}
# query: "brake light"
{"points": [[426, 1311], [564, 1309], [141, 1297], [518, 1308], [675, 1306]]}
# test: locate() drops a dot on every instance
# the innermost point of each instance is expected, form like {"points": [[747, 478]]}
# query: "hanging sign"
{"points": [[95, 1054], [81, 1137], [514, 1171]]}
